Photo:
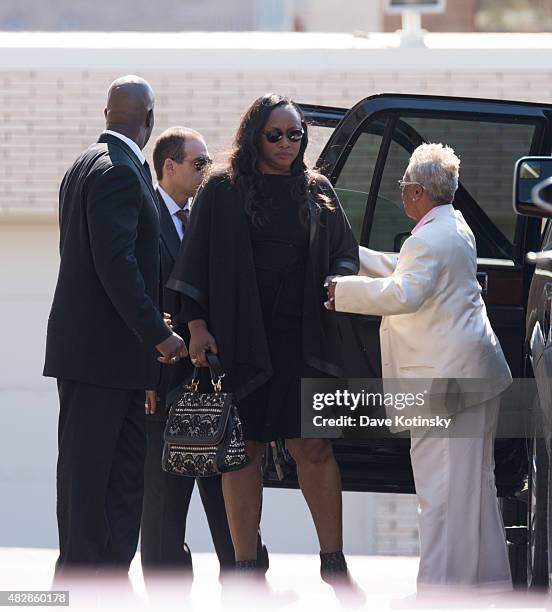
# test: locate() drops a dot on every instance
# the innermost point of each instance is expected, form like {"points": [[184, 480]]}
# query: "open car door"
{"points": [[365, 155]]}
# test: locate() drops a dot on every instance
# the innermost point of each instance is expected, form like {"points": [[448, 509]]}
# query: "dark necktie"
{"points": [[184, 216]]}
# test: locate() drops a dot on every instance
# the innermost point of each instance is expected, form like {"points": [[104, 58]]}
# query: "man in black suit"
{"points": [[181, 160], [104, 332]]}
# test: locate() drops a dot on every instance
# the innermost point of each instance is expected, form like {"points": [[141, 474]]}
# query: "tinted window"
{"points": [[353, 184], [488, 151], [389, 223]]}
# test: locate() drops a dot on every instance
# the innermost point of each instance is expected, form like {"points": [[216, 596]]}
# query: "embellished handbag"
{"points": [[204, 435]]}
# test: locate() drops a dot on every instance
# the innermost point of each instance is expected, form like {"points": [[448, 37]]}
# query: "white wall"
{"points": [[28, 414]]}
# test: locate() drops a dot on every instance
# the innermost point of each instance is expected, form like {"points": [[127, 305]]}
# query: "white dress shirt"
{"points": [[135, 148], [173, 208]]}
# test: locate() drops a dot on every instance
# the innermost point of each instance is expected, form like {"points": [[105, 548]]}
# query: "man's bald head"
{"points": [[129, 110]]}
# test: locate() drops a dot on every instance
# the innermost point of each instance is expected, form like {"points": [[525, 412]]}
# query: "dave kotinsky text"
{"points": [[374, 408]]}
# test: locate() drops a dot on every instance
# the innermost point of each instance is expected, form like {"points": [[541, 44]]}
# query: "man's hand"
{"points": [[330, 288], [168, 319], [172, 349], [200, 341], [151, 401]]}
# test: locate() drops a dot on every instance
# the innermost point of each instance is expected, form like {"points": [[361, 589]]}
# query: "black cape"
{"points": [[215, 268]]}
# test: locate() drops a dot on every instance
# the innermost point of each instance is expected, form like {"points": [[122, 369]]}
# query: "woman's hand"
{"points": [[151, 401], [330, 278], [201, 340], [329, 285]]}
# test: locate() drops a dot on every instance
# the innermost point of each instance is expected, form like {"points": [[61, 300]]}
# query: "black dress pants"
{"points": [[166, 502], [100, 476]]}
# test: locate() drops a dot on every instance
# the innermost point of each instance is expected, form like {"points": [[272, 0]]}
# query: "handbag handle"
{"points": [[215, 368]]}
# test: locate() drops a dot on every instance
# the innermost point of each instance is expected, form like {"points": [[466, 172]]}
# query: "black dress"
{"points": [[261, 292], [280, 251]]}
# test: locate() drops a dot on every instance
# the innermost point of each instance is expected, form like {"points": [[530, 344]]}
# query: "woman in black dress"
{"points": [[262, 239]]}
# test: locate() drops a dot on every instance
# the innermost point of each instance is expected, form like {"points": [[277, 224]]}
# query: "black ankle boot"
{"points": [[333, 566], [333, 570], [249, 566]]}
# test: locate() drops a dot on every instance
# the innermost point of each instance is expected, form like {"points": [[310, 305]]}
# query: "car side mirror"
{"points": [[533, 186]]}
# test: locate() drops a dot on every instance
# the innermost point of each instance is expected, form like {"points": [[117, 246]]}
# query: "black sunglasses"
{"points": [[275, 134], [201, 163]]}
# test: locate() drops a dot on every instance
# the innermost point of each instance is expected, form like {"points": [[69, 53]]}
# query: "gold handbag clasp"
{"points": [[217, 384], [193, 385]]}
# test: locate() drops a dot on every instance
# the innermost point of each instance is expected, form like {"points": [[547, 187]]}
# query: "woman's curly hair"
{"points": [[245, 174]]}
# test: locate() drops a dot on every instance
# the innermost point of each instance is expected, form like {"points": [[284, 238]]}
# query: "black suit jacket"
{"points": [[172, 376], [105, 319]]}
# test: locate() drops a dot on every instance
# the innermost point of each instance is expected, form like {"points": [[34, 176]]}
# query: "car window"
{"points": [[390, 225], [353, 183], [488, 151], [318, 137]]}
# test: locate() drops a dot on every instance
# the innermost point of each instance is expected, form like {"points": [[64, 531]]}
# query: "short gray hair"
{"points": [[435, 166]]}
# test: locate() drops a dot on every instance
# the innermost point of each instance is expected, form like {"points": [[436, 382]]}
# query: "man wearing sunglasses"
{"points": [[181, 161]]}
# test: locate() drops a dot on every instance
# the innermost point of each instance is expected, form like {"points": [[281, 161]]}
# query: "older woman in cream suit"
{"points": [[435, 325]]}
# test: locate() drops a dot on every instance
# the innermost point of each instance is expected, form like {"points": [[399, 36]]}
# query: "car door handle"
{"points": [[540, 256], [483, 280]]}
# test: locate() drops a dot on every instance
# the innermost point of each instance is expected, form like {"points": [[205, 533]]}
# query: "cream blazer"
{"points": [[435, 323]]}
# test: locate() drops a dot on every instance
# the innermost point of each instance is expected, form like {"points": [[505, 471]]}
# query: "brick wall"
{"points": [[48, 117]]}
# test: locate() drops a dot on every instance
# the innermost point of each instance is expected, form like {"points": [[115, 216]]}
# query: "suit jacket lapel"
{"points": [[169, 235], [108, 138]]}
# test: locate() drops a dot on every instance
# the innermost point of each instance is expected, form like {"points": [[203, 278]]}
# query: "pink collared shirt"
{"points": [[423, 219]]}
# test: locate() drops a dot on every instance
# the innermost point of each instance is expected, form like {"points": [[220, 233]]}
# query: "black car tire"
{"points": [[537, 516]]}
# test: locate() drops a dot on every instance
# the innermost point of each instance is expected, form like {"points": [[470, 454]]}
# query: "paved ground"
{"points": [[293, 584]]}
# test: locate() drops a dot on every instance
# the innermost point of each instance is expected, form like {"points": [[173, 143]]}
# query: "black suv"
{"points": [[367, 150], [533, 197]]}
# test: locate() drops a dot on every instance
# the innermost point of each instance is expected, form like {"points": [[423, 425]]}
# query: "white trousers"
{"points": [[462, 538]]}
